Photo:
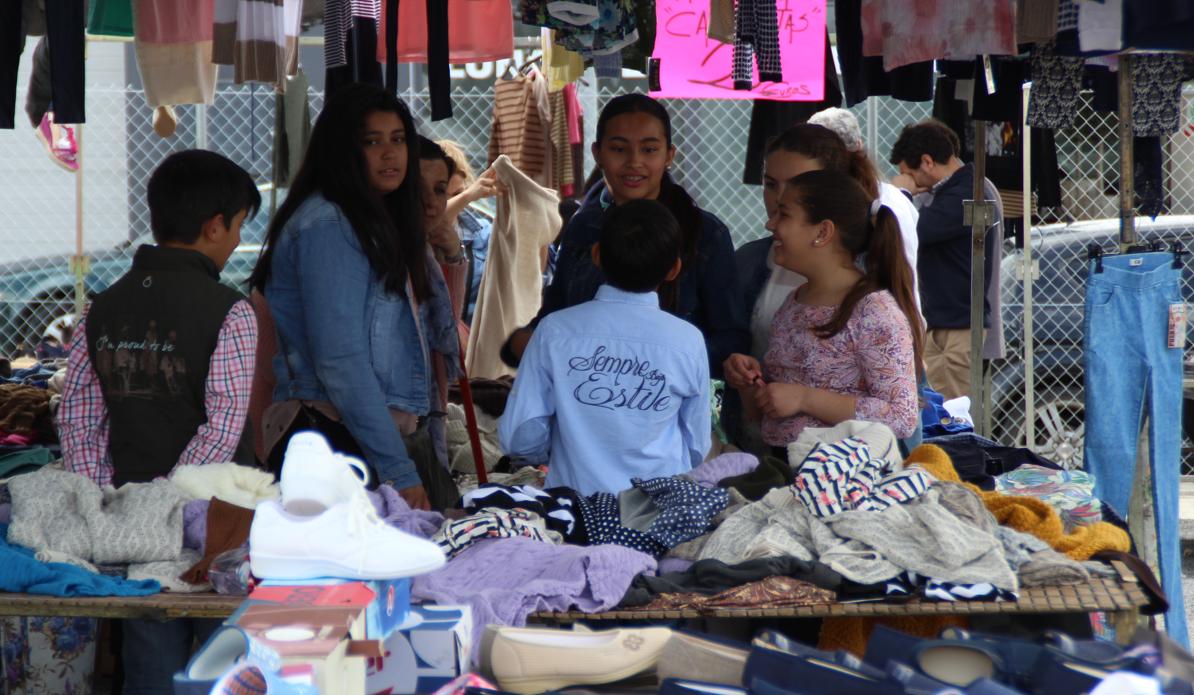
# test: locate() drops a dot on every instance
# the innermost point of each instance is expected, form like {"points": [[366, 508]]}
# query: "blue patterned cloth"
{"points": [[686, 510]]}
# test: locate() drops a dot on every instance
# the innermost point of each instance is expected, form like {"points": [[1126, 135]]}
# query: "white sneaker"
{"points": [[346, 541], [315, 478]]}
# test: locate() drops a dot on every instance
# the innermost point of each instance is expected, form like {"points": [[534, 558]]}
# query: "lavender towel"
{"points": [[194, 524], [397, 513], [507, 579], [717, 469]]}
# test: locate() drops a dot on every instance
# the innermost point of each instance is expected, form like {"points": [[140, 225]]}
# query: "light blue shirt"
{"points": [[609, 390]]}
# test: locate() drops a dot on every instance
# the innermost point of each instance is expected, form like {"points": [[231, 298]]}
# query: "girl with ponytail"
{"points": [[847, 344]]}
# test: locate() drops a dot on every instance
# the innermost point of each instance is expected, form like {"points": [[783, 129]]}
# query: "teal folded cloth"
{"points": [[20, 572], [26, 461]]}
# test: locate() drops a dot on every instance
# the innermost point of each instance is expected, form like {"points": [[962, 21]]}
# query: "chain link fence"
{"points": [[120, 151]]}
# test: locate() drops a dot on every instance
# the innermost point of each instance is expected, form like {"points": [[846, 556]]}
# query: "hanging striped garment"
{"points": [[259, 38], [337, 20]]}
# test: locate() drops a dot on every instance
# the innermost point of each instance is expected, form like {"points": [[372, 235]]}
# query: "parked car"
{"points": [[36, 293], [1058, 309]]}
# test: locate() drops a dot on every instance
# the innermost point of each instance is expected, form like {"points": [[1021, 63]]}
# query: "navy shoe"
{"points": [[679, 686], [226, 646]]}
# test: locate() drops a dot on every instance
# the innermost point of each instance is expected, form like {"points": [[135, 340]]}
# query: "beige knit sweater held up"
{"points": [[528, 219]]}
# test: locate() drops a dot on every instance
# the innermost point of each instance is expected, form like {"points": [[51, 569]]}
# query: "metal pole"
{"points": [[979, 215], [1127, 186], [201, 126], [79, 264], [872, 128], [1029, 269]]}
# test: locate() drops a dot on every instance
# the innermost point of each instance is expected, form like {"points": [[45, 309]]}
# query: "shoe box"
{"points": [[386, 612], [310, 638], [429, 651]]}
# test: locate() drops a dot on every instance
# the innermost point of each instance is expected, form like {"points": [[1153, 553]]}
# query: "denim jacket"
{"points": [[345, 339], [709, 294]]}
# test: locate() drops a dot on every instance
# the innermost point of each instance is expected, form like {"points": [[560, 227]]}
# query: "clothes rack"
{"points": [[1095, 252]]}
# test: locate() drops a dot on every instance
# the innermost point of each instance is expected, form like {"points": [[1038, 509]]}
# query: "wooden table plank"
{"points": [[156, 607]]}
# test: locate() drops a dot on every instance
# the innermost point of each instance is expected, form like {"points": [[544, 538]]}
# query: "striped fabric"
{"points": [[456, 536], [842, 476], [518, 131], [337, 20], [561, 148], [259, 38]]}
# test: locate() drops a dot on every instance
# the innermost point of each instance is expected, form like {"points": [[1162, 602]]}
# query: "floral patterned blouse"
{"points": [[871, 358]]}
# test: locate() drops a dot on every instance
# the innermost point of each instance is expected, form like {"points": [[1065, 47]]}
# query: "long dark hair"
{"points": [[834, 196], [827, 149], [389, 228], [671, 194]]}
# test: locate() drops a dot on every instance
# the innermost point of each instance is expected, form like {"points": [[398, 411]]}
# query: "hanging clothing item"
{"points": [[721, 21], [527, 220], [1056, 84], [338, 19], [259, 38], [1131, 364], [770, 118], [110, 18], [1159, 25], [1100, 25], [576, 138], [1037, 20], [929, 31], [561, 148], [864, 76], [63, 40], [292, 128], [478, 31], [562, 66], [518, 130], [757, 35], [174, 51], [350, 43], [1157, 94], [611, 28]]}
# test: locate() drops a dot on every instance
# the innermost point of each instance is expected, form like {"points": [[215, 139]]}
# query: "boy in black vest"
{"points": [[160, 369]]}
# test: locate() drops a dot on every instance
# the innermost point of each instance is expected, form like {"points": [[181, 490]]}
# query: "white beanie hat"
{"points": [[842, 122]]}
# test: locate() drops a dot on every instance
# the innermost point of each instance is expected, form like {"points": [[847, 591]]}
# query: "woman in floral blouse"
{"points": [[845, 345]]}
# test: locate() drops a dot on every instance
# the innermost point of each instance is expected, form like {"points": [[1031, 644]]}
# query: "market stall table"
{"points": [[1121, 597]]}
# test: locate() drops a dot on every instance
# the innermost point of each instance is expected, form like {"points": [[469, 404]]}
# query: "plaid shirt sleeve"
{"points": [[229, 381], [83, 415]]}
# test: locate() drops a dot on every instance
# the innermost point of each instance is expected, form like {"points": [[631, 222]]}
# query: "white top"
{"points": [[907, 216]]}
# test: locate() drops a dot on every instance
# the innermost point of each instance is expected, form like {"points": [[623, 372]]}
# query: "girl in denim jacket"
{"points": [[362, 315]]}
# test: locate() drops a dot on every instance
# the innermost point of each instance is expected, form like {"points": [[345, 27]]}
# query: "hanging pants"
{"points": [[758, 36], [1130, 368], [63, 41]]}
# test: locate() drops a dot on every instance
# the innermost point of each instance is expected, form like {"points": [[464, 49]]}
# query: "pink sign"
{"points": [[690, 65]]}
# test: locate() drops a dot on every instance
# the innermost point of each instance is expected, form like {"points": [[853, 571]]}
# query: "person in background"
{"points": [[114, 433], [634, 150], [465, 188], [766, 284], [437, 169], [846, 344], [361, 309], [615, 388], [927, 155]]}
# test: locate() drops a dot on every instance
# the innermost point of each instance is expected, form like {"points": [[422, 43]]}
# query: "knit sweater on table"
{"points": [[1027, 514]]}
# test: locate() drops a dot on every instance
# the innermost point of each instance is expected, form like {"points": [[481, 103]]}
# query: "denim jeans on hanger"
{"points": [[1129, 367]]}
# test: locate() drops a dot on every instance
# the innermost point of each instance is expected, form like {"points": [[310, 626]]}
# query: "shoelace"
{"points": [[361, 517]]}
